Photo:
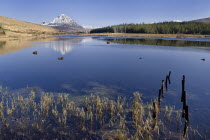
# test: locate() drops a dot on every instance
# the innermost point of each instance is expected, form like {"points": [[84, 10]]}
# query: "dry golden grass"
{"points": [[146, 35], [16, 29]]}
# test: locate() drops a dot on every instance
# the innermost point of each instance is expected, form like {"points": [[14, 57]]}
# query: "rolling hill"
{"points": [[15, 28], [203, 20]]}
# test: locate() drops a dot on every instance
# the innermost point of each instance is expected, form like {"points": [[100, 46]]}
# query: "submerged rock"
{"points": [[35, 52], [60, 58]]}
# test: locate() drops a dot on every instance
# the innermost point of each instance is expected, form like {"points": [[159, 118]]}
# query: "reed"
{"points": [[55, 116]]}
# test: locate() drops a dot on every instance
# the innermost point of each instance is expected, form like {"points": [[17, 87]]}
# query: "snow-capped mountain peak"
{"points": [[62, 19], [177, 21], [65, 23], [88, 27]]}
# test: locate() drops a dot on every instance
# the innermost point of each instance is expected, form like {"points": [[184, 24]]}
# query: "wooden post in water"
{"points": [[186, 113], [166, 83], [155, 110], [159, 96], [169, 80], [169, 77], [155, 115], [162, 88], [185, 129], [184, 104], [183, 88]]}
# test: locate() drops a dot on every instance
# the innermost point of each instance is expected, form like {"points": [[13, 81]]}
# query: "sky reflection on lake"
{"points": [[91, 65]]}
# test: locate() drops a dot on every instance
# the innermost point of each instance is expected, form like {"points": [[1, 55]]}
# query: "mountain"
{"points": [[177, 21], [65, 23], [203, 20], [88, 28], [16, 29]]}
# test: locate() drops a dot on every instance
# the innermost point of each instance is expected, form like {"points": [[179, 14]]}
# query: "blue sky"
{"points": [[100, 13]]}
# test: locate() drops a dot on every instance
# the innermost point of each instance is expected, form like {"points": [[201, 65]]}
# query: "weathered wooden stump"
{"points": [[159, 96], [156, 110], [183, 88], [169, 77], [185, 129], [166, 83], [184, 104], [186, 113], [162, 88]]}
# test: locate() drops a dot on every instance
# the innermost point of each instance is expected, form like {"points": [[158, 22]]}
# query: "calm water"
{"points": [[91, 65]]}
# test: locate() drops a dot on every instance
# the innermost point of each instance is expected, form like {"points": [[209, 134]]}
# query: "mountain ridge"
{"points": [[65, 23], [202, 20]]}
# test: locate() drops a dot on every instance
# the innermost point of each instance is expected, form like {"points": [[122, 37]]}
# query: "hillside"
{"points": [[203, 20], [14, 28], [2, 32]]}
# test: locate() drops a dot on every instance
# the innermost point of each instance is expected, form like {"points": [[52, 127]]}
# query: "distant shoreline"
{"points": [[25, 36], [145, 35]]}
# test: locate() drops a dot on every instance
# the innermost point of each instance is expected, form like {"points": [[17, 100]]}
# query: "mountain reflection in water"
{"points": [[65, 45]]}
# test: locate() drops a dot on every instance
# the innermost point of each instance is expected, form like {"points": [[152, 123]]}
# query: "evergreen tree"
{"points": [[158, 28]]}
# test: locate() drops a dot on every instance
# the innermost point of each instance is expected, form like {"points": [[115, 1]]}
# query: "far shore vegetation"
{"points": [[194, 28], [145, 35]]}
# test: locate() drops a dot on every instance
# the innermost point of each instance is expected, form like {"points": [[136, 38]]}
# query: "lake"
{"points": [[117, 68]]}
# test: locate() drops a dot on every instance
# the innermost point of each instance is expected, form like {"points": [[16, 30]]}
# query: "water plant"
{"points": [[55, 116]]}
